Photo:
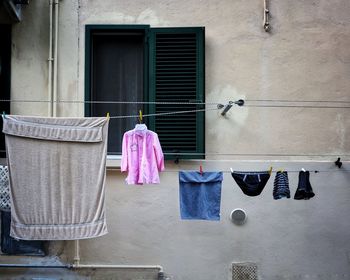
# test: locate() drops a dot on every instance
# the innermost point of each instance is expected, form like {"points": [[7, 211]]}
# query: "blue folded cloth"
{"points": [[200, 195]]}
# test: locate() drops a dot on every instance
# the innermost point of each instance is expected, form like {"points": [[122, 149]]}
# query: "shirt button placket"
{"points": [[141, 170]]}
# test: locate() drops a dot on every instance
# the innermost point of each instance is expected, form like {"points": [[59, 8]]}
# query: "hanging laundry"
{"points": [[281, 185], [57, 172], [200, 195], [304, 190], [251, 183], [12, 246], [142, 156], [5, 203]]}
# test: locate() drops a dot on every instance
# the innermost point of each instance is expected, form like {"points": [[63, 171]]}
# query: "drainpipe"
{"points": [[161, 275], [50, 59], [76, 255], [56, 2], [12, 265], [77, 264], [119, 266]]}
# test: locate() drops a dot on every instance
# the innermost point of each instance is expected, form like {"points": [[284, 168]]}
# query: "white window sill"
{"points": [[113, 161]]}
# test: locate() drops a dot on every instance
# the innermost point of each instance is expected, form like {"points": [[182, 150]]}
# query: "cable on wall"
{"points": [[113, 102], [295, 101], [240, 102], [229, 172], [165, 113], [298, 106]]}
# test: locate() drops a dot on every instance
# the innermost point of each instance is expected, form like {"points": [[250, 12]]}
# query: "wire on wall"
{"points": [[244, 103], [299, 106], [285, 103], [164, 114], [218, 105], [184, 102], [229, 172], [295, 101]]}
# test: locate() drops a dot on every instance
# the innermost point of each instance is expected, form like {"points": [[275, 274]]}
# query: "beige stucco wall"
{"points": [[305, 57]]}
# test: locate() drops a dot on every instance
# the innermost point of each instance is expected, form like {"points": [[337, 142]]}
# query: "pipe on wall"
{"points": [[50, 59], [76, 255], [12, 265], [266, 23], [92, 266], [55, 62], [161, 275], [119, 266], [77, 264]]}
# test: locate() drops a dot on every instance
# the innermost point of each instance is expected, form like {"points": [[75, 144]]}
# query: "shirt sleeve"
{"points": [[124, 161], [159, 153]]}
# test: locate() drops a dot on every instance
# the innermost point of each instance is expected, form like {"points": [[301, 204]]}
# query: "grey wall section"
{"points": [[288, 239], [305, 57]]}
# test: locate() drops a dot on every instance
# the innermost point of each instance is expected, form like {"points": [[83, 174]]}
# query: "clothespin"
{"points": [[107, 116], [201, 169], [270, 170], [140, 116], [303, 169], [4, 114], [338, 162], [281, 170], [177, 159]]}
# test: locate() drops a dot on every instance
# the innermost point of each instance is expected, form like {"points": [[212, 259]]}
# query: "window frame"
{"points": [[89, 30], [6, 33], [149, 89]]}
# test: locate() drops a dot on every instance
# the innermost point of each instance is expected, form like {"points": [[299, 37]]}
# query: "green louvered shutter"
{"points": [[176, 72]]}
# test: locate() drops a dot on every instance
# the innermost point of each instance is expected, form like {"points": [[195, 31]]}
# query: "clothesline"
{"points": [[255, 154], [164, 114], [113, 102], [243, 154], [218, 104], [229, 172], [215, 109], [185, 101], [295, 101], [298, 106]]}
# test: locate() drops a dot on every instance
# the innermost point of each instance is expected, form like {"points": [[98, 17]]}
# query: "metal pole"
{"points": [[55, 62], [50, 59]]}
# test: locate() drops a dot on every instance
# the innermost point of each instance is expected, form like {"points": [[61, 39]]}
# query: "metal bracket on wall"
{"points": [[266, 22], [228, 106]]}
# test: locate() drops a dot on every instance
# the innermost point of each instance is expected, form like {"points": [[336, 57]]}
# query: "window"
{"points": [[137, 63], [5, 77]]}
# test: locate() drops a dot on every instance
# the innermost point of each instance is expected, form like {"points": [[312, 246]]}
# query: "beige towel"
{"points": [[57, 172]]}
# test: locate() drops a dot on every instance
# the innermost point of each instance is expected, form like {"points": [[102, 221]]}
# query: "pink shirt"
{"points": [[142, 156]]}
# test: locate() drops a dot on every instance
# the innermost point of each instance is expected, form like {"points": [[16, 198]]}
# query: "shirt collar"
{"points": [[140, 128]]}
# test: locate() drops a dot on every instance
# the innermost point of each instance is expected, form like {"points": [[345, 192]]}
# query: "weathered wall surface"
{"points": [[306, 57], [288, 239]]}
